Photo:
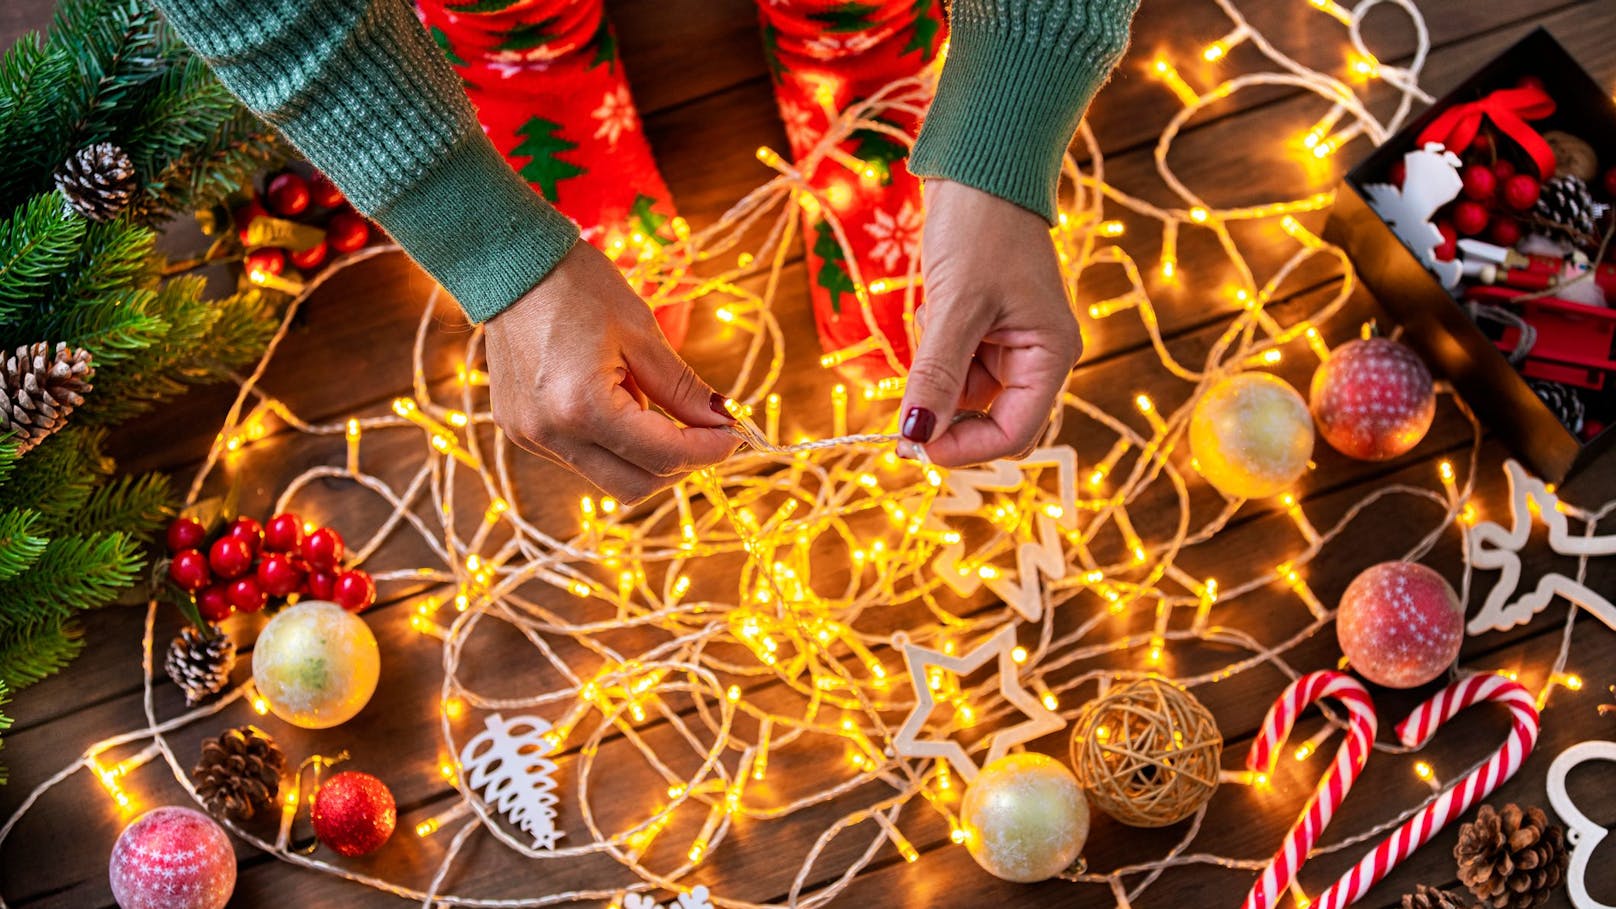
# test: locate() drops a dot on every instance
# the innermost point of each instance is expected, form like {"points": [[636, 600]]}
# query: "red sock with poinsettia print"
{"points": [[842, 52], [551, 94]]}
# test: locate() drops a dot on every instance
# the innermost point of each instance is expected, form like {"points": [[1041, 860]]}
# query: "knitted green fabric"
{"points": [[1019, 75], [361, 90]]}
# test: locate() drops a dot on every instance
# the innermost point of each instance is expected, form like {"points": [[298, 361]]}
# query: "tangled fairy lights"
{"points": [[802, 592]]}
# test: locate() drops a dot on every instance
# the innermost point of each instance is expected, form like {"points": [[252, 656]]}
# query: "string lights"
{"points": [[764, 607]]}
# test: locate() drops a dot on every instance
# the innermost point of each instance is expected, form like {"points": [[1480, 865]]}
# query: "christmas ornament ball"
{"points": [[172, 858], [1251, 435], [1025, 818], [1373, 399], [1400, 624], [354, 813], [316, 664]]}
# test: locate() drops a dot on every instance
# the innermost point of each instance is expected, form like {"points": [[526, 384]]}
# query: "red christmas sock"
{"points": [[550, 93], [844, 52]]}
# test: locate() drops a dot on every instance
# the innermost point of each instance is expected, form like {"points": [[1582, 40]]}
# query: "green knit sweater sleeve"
{"points": [[1019, 75], [360, 89]]}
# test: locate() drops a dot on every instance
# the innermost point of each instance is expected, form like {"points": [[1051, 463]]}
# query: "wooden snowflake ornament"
{"points": [[1584, 832], [1493, 547], [506, 763]]}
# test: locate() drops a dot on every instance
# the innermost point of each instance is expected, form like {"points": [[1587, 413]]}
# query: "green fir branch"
{"points": [[20, 546], [37, 243], [58, 476], [137, 505], [36, 654], [74, 573]]}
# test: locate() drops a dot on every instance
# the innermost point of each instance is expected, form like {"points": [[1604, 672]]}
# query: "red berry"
{"points": [[1610, 183], [288, 194], [268, 259], [248, 531], [278, 575], [246, 215], [1503, 169], [230, 558], [213, 602], [1399, 173], [354, 590], [324, 193], [1449, 247], [308, 258], [347, 231], [323, 549], [321, 584], [1481, 144], [1521, 192], [246, 595], [284, 533], [185, 533], [1470, 218], [189, 569], [1505, 231], [1480, 183]]}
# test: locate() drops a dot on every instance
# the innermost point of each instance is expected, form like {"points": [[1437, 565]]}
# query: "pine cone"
{"points": [[39, 388], [1511, 859], [1425, 897], [200, 665], [98, 181], [1567, 210], [239, 773], [1563, 401]]}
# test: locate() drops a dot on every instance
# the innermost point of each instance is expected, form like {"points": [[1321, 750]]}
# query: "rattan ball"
{"points": [[1147, 753]]}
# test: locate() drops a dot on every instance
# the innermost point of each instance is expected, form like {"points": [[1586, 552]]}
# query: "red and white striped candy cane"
{"points": [[1333, 786], [1414, 732]]}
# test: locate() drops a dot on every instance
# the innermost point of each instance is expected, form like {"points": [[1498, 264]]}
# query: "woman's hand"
{"points": [[997, 332], [571, 366]]}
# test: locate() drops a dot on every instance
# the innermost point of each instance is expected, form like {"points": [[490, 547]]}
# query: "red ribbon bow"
{"points": [[1509, 109]]}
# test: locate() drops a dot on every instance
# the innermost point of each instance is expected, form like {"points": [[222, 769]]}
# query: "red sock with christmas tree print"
{"points": [[848, 51], [551, 94]]}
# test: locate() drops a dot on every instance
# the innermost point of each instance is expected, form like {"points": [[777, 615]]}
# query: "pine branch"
{"points": [[120, 46], [74, 573], [34, 78], [20, 546], [58, 475], [137, 505], [37, 243], [41, 652]]}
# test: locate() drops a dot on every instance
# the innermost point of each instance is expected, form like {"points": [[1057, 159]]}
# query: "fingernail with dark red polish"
{"points": [[918, 424], [716, 402]]}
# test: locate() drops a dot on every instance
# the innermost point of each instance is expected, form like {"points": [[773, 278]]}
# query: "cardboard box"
{"points": [[1436, 324]]}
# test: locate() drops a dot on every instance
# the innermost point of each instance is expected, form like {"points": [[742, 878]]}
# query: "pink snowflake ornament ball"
{"points": [[1373, 399], [1400, 624], [172, 858]]}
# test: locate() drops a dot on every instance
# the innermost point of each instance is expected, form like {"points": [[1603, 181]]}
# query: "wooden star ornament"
{"points": [[1040, 719]]}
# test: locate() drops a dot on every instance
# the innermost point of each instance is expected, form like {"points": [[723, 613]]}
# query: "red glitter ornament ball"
{"points": [[354, 813], [1400, 624], [172, 858], [1373, 399]]}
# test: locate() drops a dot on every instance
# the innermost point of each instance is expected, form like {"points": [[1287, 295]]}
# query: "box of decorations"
{"points": [[1485, 228]]}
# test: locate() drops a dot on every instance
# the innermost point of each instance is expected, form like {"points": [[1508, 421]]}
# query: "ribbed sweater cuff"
{"points": [[1010, 99], [478, 228]]}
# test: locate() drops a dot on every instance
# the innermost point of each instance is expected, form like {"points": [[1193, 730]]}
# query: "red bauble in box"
{"points": [[313, 257], [323, 192], [246, 215], [287, 194], [1373, 399], [172, 858], [268, 260], [1400, 624], [347, 232], [354, 813]]}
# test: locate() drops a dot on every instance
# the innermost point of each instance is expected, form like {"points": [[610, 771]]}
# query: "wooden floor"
{"points": [[699, 76]]}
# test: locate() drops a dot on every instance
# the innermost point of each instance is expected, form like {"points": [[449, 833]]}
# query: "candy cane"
{"points": [[1414, 732], [1333, 786]]}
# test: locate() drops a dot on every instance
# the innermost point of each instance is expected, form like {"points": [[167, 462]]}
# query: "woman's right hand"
{"points": [[572, 366]]}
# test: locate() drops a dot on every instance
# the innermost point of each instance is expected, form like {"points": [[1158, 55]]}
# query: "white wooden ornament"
{"points": [[1431, 181], [1040, 719], [1585, 835], [1493, 547], [695, 899], [506, 762], [1037, 558]]}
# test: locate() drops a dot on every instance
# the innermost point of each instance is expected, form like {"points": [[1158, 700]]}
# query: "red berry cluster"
{"points": [[249, 564], [312, 200]]}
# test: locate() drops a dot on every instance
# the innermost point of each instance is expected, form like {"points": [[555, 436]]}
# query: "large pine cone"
{"points": [[199, 663], [1425, 897], [39, 388], [239, 773], [98, 181], [1511, 859], [1566, 209]]}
